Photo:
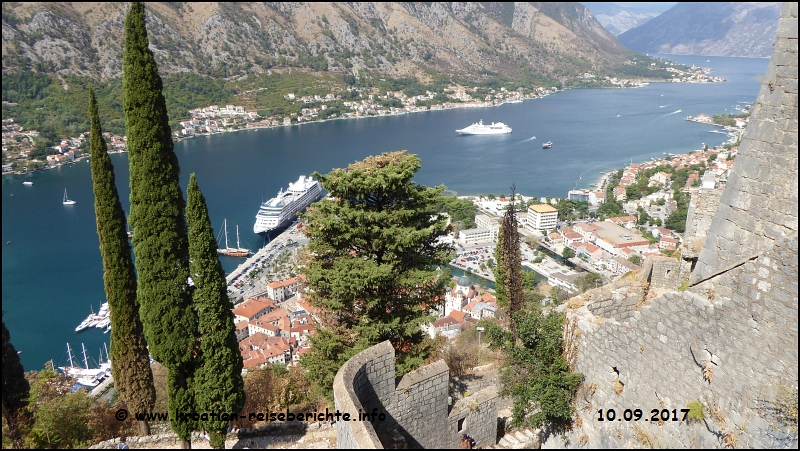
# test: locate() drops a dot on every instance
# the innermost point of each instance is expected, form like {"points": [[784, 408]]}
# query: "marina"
{"points": [[87, 377]]}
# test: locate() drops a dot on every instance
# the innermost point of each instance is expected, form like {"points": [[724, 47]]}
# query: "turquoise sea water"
{"points": [[52, 272]]}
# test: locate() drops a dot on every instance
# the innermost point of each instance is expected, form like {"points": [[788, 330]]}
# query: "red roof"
{"points": [[458, 316], [283, 283], [252, 307]]}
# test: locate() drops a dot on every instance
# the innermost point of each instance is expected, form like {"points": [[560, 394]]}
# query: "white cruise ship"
{"points": [[497, 128], [283, 208]]}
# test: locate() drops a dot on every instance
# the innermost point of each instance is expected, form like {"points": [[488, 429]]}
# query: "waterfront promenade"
{"points": [[249, 284]]}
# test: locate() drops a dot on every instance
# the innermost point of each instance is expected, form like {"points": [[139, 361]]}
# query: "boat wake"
{"points": [[674, 112]]}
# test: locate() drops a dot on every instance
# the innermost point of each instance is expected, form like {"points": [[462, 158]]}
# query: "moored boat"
{"points": [[282, 209], [237, 251]]}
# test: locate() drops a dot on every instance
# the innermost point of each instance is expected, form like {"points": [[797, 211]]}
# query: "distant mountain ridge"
{"points": [[745, 29], [618, 19], [541, 39]]}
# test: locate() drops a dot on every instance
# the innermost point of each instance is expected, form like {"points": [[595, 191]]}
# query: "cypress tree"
{"points": [[375, 248], [508, 272], [218, 382], [15, 387], [130, 360], [160, 243]]}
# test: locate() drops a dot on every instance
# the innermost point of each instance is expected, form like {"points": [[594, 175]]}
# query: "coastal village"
{"points": [[17, 143], [274, 320]]}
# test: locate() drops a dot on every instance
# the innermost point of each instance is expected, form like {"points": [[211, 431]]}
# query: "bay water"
{"points": [[52, 271]]}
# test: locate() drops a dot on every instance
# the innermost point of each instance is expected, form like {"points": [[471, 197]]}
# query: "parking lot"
{"points": [[470, 258]]}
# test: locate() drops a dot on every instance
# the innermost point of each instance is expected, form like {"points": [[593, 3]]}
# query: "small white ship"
{"points": [[282, 209], [497, 128], [547, 145]]}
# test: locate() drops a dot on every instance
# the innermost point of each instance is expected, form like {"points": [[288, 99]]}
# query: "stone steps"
{"points": [[519, 439]]}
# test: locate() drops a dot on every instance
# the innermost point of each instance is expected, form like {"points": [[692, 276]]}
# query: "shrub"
{"points": [[696, 411]]}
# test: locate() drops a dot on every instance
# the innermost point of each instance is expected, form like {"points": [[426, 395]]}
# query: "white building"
{"points": [[476, 236], [541, 218], [579, 195], [279, 291], [459, 296], [485, 221]]}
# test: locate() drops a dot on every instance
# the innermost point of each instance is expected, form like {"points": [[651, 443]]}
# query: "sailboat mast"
{"points": [[225, 225], [69, 356], [238, 246], [85, 360]]}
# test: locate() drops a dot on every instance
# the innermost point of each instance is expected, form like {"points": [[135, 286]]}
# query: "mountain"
{"points": [[474, 40], [618, 19], [712, 29]]}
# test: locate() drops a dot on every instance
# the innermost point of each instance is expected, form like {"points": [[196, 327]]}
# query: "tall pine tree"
{"points": [[160, 242], [16, 388], [375, 249], [129, 357], [218, 382], [508, 272]]}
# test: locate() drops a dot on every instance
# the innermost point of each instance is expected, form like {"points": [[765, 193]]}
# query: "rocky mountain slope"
{"points": [[618, 19], [713, 29], [473, 40]]}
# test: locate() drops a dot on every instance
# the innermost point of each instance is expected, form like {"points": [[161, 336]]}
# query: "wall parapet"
{"points": [[353, 384], [416, 408]]}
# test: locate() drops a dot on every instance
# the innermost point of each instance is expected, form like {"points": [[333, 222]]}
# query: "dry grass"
{"points": [[717, 415], [729, 439], [571, 334], [583, 440], [708, 372], [618, 386], [579, 422], [643, 437]]}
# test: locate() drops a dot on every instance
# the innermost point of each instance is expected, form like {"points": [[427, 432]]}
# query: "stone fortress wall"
{"points": [[730, 340], [417, 407]]}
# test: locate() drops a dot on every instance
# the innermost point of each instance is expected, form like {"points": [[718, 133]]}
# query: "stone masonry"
{"points": [[759, 204], [417, 406]]}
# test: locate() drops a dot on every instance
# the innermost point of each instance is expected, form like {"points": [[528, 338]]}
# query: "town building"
{"points": [[253, 309], [541, 217], [280, 291], [477, 236], [459, 296]]}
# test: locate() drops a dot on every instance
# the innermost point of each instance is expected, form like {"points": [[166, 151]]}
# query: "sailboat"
{"points": [[238, 251], [66, 199]]}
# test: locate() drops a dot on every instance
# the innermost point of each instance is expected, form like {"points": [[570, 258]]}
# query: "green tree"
{"points": [[160, 243], [635, 259], [535, 374], [588, 281], [15, 387], [374, 253], [62, 422], [567, 253], [508, 275], [131, 361], [218, 378]]}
